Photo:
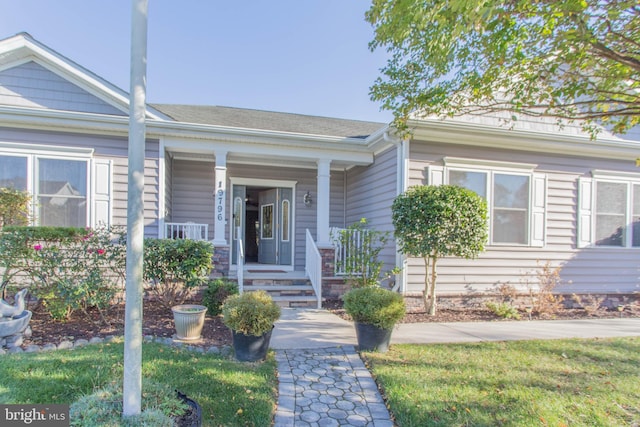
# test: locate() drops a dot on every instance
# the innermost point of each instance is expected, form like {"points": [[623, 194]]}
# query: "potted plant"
{"points": [[375, 311], [251, 317]]}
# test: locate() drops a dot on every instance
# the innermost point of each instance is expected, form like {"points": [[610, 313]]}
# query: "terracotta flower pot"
{"points": [[189, 320]]}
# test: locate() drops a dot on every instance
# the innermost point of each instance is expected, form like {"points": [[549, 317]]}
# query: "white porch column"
{"points": [[220, 196], [322, 205]]}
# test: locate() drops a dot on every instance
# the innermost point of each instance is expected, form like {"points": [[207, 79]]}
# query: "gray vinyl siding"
{"points": [[192, 191], [193, 187], [588, 270], [32, 85], [115, 149], [370, 194]]}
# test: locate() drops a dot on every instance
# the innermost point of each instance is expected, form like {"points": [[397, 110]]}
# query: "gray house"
{"points": [[267, 188]]}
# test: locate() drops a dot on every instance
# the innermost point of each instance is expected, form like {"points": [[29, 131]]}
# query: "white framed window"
{"points": [[515, 195], [68, 187], [609, 210]]}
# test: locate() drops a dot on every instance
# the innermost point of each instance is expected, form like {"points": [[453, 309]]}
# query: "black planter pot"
{"points": [[249, 348], [372, 338], [193, 417]]}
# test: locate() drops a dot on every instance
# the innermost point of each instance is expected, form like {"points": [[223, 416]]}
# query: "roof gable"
{"points": [[35, 76], [32, 85]]}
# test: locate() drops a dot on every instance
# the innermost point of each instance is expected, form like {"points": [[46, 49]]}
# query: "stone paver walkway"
{"points": [[327, 387]]}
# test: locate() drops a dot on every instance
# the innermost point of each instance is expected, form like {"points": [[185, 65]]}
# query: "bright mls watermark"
{"points": [[34, 415]]}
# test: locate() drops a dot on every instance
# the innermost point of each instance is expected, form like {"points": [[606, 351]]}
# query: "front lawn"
{"points": [[230, 393], [525, 383]]}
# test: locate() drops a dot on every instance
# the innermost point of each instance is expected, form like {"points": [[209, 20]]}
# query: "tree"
{"points": [[436, 221], [570, 59]]}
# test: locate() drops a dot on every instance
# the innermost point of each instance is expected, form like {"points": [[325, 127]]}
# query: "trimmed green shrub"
{"points": [[173, 267], [216, 292], [436, 221], [374, 305], [252, 313]]}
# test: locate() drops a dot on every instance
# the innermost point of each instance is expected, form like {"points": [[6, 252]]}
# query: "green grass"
{"points": [[230, 393], [525, 383]]}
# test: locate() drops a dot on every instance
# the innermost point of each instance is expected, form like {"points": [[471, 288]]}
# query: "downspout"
{"points": [[402, 150]]}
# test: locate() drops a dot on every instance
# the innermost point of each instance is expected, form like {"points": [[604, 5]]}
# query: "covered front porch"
{"points": [[268, 213]]}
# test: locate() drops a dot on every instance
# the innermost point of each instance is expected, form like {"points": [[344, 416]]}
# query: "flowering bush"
{"points": [[67, 269]]}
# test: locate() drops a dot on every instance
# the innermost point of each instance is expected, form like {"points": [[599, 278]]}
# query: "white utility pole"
{"points": [[132, 382]]}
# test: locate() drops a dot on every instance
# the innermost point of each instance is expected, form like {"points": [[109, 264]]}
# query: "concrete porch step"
{"points": [[286, 292]]}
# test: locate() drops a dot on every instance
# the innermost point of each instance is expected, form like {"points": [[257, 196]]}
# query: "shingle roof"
{"points": [[268, 120]]}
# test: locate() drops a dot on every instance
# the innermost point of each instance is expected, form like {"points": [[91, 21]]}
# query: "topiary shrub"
{"points": [[216, 292], [375, 306], [436, 221], [252, 313]]}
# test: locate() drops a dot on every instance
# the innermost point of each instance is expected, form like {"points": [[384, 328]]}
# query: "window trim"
{"points": [[587, 207], [33, 152], [537, 200]]}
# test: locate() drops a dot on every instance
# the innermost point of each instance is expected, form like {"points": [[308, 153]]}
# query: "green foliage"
{"points": [[252, 313], [67, 269], [375, 305], [436, 221], [173, 267], [503, 309], [160, 405], [569, 59], [216, 292], [570, 382], [14, 207], [232, 394], [361, 264]]}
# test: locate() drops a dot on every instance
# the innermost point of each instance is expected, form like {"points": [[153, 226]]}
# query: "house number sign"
{"points": [[220, 202]]}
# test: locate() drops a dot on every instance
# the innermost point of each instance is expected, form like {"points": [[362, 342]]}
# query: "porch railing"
{"points": [[186, 230], [349, 250], [313, 267]]}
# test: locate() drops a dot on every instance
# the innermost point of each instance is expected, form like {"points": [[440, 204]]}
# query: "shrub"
{"points": [[374, 305], [173, 267], [252, 313], [14, 207], [541, 296], [436, 221], [160, 407], [503, 309], [67, 269], [216, 292], [361, 264]]}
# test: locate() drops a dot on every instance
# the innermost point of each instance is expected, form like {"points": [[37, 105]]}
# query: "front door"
{"points": [[263, 221], [268, 211]]}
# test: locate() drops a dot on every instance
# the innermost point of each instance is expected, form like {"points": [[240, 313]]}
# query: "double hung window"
{"points": [[609, 213], [67, 188], [515, 197]]}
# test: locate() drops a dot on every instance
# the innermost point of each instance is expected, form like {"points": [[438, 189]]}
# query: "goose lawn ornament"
{"points": [[8, 310]]}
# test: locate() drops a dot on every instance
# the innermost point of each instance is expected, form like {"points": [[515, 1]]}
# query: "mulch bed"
{"points": [[158, 321]]}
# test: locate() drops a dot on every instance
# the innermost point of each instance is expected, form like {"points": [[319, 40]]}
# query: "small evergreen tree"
{"points": [[436, 221]]}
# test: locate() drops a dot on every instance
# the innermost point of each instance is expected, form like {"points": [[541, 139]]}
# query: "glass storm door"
{"points": [[238, 223]]}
